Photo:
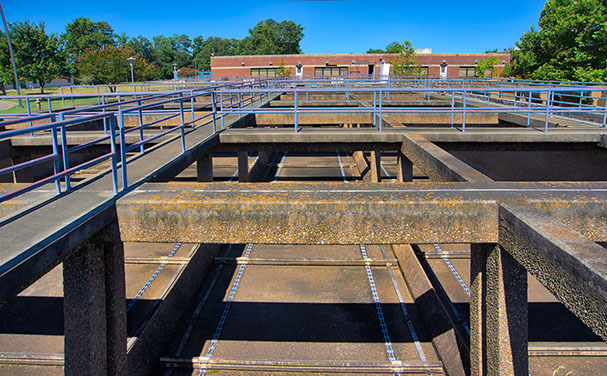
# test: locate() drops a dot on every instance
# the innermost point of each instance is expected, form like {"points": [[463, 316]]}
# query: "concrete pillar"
{"points": [[498, 313], [94, 309], [243, 166], [204, 168], [405, 168], [375, 163]]}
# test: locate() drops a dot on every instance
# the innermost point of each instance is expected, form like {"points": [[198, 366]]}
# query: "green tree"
{"points": [[38, 56], [487, 67], [406, 62], [391, 48], [212, 46], [186, 72], [142, 47], [6, 67], [169, 50], [571, 43], [281, 70], [109, 65], [83, 34], [269, 37]]}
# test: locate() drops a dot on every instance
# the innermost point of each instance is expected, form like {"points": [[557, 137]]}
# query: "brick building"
{"points": [[433, 65]]}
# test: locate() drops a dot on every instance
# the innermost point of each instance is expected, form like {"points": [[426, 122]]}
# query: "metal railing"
{"points": [[173, 112]]}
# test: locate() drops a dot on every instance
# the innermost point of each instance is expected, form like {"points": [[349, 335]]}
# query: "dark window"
{"points": [[467, 71], [263, 72], [331, 71]]}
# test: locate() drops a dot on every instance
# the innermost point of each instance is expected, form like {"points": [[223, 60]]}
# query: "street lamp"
{"points": [[10, 50], [131, 59], [175, 71]]}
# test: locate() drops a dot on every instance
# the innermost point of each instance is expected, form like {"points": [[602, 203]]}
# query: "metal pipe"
{"points": [[10, 50]]}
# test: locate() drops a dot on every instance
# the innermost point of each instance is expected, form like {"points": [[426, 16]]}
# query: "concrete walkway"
{"points": [[4, 105]]}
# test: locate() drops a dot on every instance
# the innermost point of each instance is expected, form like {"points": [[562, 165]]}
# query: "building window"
{"points": [[423, 71], [467, 71], [263, 72], [331, 71]]}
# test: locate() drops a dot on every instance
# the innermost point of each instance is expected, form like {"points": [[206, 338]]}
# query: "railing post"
{"points": [[140, 116], [213, 99], [239, 105], [464, 111], [529, 109], [296, 111], [182, 120], [72, 94], [548, 105], [114, 155], [64, 152], [63, 98], [29, 113], [56, 166], [380, 110], [192, 105], [452, 109], [221, 107], [374, 107], [125, 183]]}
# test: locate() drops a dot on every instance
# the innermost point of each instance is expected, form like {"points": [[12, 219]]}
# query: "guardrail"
{"points": [[208, 105], [528, 101], [116, 129]]}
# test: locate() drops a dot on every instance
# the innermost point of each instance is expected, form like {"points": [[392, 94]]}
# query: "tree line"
{"points": [[93, 52]]}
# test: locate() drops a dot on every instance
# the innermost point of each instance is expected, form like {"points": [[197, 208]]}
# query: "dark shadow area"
{"points": [[534, 161]]}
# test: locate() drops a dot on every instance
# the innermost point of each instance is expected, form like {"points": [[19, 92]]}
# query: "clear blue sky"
{"points": [[338, 26]]}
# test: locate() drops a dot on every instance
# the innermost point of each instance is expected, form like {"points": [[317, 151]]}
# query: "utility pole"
{"points": [[10, 49]]}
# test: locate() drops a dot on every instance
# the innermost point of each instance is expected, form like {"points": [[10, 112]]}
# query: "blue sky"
{"points": [[338, 26]]}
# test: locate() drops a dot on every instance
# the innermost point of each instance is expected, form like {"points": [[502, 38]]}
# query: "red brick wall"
{"points": [[230, 66]]}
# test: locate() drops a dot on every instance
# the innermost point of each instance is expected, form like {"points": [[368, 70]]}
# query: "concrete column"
{"points": [[498, 313], [375, 163], [115, 304], [405, 168], [204, 168], [243, 166], [94, 309]]}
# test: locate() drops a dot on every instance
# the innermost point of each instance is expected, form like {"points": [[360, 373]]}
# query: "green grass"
{"points": [[55, 104]]}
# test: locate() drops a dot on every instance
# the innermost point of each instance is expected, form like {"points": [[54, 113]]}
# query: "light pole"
{"points": [[131, 60], [10, 49], [175, 71]]}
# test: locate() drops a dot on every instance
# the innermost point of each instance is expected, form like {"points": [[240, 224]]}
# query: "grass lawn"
{"points": [[55, 104]]}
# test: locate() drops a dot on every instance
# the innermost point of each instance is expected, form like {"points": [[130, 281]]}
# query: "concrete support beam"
{"points": [[438, 164], [258, 169], [94, 309], [375, 162], [204, 168], [362, 165], [243, 166], [448, 343], [498, 313], [603, 141], [405, 168], [572, 267]]}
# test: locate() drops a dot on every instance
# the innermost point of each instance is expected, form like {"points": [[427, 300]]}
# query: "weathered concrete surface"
{"points": [[572, 267], [304, 213], [447, 342], [603, 141], [172, 313], [204, 168], [405, 168], [94, 310], [437, 163]]}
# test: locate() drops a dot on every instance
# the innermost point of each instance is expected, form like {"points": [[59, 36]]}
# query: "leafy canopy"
{"points": [[38, 56], [570, 45], [406, 62], [109, 65], [487, 67]]}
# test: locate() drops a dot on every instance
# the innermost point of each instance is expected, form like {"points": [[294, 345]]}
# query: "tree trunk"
{"points": [[2, 88]]}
